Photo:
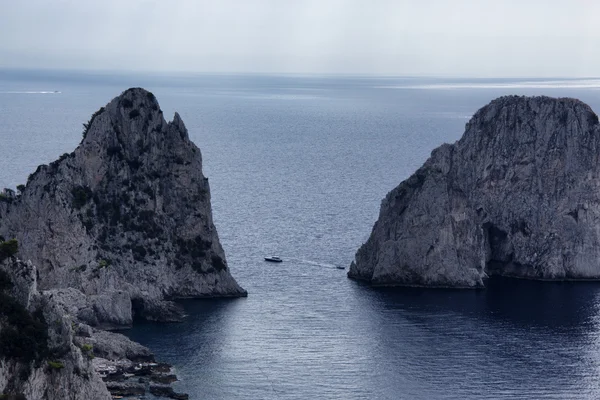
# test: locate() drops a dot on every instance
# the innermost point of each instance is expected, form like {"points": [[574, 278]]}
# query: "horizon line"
{"points": [[189, 73]]}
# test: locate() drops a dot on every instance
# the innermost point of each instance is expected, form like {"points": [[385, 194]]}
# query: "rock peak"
{"points": [[137, 95], [137, 99], [132, 114], [518, 108]]}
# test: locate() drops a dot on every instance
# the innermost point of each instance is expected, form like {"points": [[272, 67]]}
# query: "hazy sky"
{"points": [[421, 37]]}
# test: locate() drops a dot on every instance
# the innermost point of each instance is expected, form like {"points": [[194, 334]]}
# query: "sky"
{"points": [[470, 38]]}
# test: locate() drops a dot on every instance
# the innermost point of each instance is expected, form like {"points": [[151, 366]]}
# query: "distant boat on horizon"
{"points": [[273, 259]]}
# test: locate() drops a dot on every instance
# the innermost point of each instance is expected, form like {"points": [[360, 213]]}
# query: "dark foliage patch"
{"points": [[139, 252], [88, 125], [8, 249], [218, 263], [113, 150], [134, 164], [32, 175], [81, 195], [24, 336], [126, 103], [5, 282], [6, 199], [18, 396], [196, 248]]}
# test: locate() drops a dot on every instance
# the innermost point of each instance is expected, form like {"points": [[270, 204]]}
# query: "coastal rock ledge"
{"points": [[518, 195], [123, 224]]}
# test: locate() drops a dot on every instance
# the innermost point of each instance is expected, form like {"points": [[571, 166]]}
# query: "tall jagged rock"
{"points": [[518, 195], [125, 219]]}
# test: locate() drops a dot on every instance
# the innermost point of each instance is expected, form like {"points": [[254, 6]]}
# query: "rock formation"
{"points": [[46, 353], [518, 195], [122, 224], [112, 231], [39, 358]]}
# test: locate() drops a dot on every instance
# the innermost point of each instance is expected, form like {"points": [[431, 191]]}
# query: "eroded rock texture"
{"points": [[124, 222], [39, 355], [518, 195]]}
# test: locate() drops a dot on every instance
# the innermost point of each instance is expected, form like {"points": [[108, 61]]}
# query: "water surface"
{"points": [[298, 167]]}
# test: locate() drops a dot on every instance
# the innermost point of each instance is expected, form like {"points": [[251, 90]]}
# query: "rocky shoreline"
{"points": [[127, 368], [127, 379]]}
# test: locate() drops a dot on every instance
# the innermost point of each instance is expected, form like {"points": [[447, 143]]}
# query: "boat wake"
{"points": [[315, 263]]}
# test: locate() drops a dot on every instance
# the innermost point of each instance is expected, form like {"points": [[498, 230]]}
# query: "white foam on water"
{"points": [[310, 262]]}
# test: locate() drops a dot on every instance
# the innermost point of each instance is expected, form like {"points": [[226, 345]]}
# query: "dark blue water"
{"points": [[298, 167]]}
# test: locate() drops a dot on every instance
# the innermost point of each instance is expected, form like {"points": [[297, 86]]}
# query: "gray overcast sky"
{"points": [[421, 37]]}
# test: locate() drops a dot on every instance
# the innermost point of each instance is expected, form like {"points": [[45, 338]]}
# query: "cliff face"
{"points": [[518, 195], [38, 355], [125, 220]]}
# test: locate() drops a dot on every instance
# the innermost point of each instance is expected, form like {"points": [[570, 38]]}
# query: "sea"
{"points": [[298, 166]]}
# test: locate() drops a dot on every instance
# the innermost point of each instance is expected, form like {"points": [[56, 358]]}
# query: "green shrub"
{"points": [[18, 396], [8, 249], [88, 350], [20, 188], [55, 365]]}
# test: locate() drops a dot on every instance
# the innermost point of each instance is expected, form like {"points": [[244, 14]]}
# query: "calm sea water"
{"points": [[298, 167]]}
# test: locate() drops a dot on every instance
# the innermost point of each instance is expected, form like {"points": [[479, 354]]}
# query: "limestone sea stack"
{"points": [[518, 195], [122, 224]]}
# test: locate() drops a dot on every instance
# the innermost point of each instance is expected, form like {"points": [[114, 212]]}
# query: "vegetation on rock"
{"points": [[8, 249], [55, 365], [81, 195], [87, 125]]}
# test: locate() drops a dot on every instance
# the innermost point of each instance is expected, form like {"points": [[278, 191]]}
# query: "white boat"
{"points": [[273, 259]]}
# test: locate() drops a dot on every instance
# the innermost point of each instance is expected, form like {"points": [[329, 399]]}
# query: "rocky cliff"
{"points": [[518, 195], [123, 223], [46, 353], [39, 358]]}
